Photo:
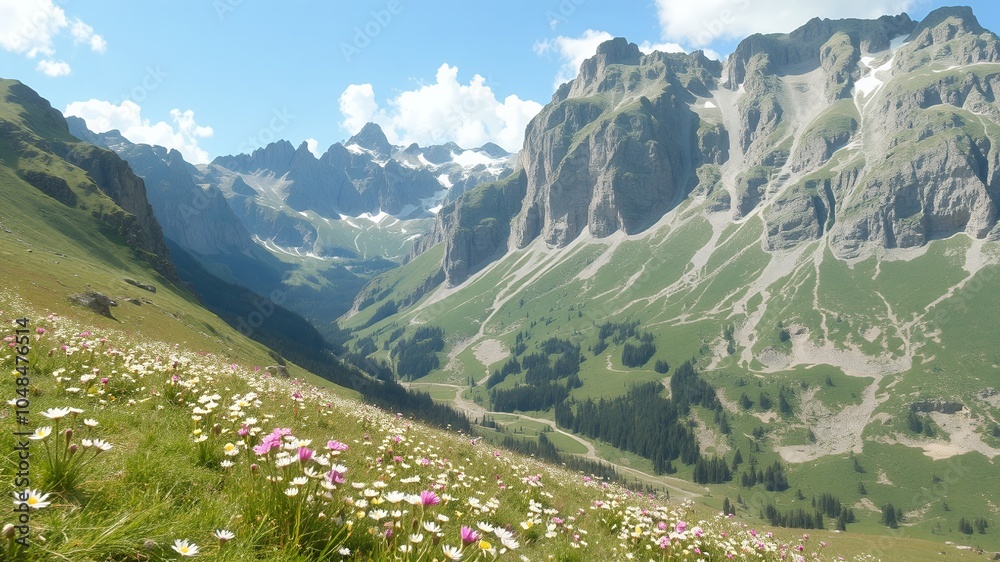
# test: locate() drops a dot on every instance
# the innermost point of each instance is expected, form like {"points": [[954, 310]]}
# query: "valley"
{"points": [[708, 295]]}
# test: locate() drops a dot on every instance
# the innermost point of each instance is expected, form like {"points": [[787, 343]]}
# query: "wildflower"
{"points": [[428, 497], [452, 553], [102, 445], [469, 535], [432, 527], [305, 454], [224, 535], [33, 498], [230, 450], [185, 548], [336, 474], [56, 413], [90, 423], [41, 433], [336, 446]]}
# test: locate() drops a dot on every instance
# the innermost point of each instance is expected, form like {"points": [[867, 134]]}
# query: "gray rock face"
{"points": [[115, 178], [616, 149], [810, 45], [198, 219]]}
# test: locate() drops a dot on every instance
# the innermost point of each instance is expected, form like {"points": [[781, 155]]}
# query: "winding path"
{"points": [[473, 410]]}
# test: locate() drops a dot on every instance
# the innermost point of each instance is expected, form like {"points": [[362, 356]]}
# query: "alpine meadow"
{"points": [[695, 307]]}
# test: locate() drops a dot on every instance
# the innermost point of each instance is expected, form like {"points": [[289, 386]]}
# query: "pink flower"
{"points": [[558, 521], [336, 476], [243, 431], [305, 454], [428, 497], [264, 447], [336, 445], [469, 536], [680, 526], [664, 541], [104, 380], [40, 331], [698, 531], [753, 533]]}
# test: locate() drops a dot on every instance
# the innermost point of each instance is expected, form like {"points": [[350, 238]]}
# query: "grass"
{"points": [[166, 478]]}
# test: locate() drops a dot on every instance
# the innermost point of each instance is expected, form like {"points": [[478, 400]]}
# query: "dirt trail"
{"points": [[473, 410]]}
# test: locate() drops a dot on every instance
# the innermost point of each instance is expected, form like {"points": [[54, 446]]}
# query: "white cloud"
{"points": [[313, 146], [647, 47], [572, 51], [53, 68], [102, 116], [700, 23], [30, 27], [447, 110], [83, 33]]}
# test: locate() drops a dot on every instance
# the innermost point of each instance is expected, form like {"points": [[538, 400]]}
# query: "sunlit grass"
{"points": [[223, 461]]}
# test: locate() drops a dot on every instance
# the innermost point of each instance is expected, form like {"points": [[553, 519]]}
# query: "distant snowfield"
{"points": [[710, 105], [470, 159]]}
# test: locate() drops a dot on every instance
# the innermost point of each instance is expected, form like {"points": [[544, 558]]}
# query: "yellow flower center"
{"points": [[484, 545]]}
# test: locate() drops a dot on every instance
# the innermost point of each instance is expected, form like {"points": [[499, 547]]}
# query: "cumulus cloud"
{"points": [[53, 68], [447, 110], [183, 134], [699, 24], [30, 27], [572, 51], [83, 33]]}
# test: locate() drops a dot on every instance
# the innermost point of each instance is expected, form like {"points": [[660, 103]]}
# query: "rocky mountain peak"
{"points": [[275, 157], [961, 17], [494, 150], [804, 46], [371, 137]]}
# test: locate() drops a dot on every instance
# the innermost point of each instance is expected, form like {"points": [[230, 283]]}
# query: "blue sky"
{"points": [[214, 77]]}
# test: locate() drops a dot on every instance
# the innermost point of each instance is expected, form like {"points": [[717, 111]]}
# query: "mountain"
{"points": [[213, 245], [812, 222], [40, 151], [197, 219], [362, 198], [156, 368]]}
